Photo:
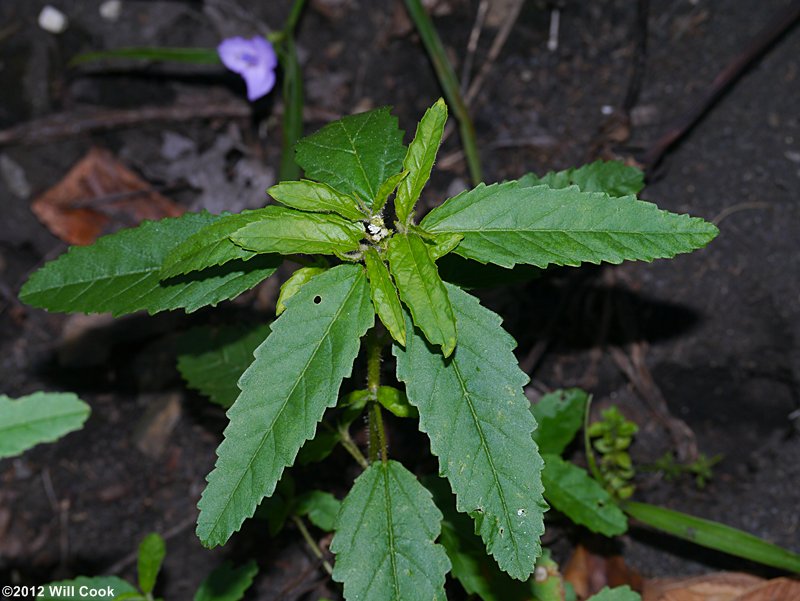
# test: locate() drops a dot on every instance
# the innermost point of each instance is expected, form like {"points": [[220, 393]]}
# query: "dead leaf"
{"points": [[153, 430], [589, 572], [722, 586], [97, 196]]}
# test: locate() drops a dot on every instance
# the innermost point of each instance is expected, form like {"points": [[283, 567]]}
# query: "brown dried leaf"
{"points": [[589, 572], [722, 586], [97, 196]]}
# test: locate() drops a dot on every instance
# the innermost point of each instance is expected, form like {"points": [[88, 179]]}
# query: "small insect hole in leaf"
{"points": [[317, 300]]}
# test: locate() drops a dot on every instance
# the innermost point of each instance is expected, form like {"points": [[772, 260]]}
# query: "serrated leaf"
{"points": [[356, 154], [384, 296], [320, 507], [419, 160], [318, 448], [292, 285], [477, 573], [227, 583], [387, 187], [296, 375], [444, 244], [37, 418], [306, 195], [277, 508], [212, 360], [120, 273], [615, 178], [212, 245], [152, 551], [508, 224], [422, 290], [288, 231], [560, 416], [384, 542], [69, 590], [474, 411], [570, 490], [619, 593]]}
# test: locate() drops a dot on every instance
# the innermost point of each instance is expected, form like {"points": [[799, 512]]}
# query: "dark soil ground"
{"points": [[715, 334]]}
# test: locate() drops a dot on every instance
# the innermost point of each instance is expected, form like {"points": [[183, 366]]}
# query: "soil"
{"points": [[718, 330]]}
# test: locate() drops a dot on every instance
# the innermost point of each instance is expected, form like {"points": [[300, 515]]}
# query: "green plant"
{"points": [[452, 356], [611, 437], [226, 583], [701, 468]]}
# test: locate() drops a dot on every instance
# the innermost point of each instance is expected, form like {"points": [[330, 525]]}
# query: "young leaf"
{"points": [[288, 231], [320, 507], [70, 590], [615, 178], [422, 290], [396, 402], [384, 296], [296, 281], [419, 160], [212, 360], [296, 375], [227, 583], [444, 244], [311, 196], [121, 273], [474, 411], [39, 417], [508, 224], [386, 189], [152, 551], [356, 154], [212, 245], [384, 538], [560, 416], [570, 490], [618, 593], [713, 535]]}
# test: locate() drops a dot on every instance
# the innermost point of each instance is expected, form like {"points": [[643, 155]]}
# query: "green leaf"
{"points": [[387, 187], [120, 273], [288, 232], [319, 447], [356, 154], [39, 417], [615, 178], [306, 195], [227, 583], [212, 245], [474, 411], [560, 416], [619, 593], [477, 573], [422, 290], [152, 551], [396, 402], [384, 296], [320, 507], [444, 244], [292, 285], [212, 360], [296, 375], [384, 538], [508, 224], [713, 535], [69, 590], [419, 160], [570, 490], [277, 508]]}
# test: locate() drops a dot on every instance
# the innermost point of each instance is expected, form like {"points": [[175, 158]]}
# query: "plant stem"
{"points": [[587, 445], [377, 435], [351, 447], [292, 95], [449, 82], [312, 544]]}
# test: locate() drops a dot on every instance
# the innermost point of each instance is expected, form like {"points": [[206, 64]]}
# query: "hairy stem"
{"points": [[377, 435]]}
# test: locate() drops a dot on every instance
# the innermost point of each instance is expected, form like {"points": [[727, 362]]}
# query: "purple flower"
{"points": [[254, 60]]}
